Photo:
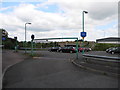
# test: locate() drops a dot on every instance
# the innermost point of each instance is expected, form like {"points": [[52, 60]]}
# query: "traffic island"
{"points": [[33, 55]]}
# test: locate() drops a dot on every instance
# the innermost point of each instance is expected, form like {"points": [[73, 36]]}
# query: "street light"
{"points": [[32, 37], [83, 18], [83, 26], [16, 46], [25, 35]]}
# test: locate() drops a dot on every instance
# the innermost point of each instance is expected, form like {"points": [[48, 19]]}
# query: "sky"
{"points": [[59, 18]]}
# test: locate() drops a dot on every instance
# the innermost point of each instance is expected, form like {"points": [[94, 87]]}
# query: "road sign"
{"points": [[3, 38], [83, 34]]}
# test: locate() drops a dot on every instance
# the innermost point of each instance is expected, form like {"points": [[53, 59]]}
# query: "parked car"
{"points": [[68, 49], [54, 49], [88, 49], [107, 50], [84, 48], [114, 50]]}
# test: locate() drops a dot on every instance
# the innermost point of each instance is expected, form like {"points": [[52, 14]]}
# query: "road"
{"points": [[53, 70]]}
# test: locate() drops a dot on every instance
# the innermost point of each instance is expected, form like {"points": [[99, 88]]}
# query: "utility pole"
{"points": [[83, 34]]}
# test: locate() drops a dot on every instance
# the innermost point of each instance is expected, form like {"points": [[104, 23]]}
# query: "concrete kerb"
{"points": [[6, 69], [94, 70]]}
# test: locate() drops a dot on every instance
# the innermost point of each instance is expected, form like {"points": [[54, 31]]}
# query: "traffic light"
{"points": [[32, 37], [15, 38]]}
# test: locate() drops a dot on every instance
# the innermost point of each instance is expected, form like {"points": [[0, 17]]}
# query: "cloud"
{"points": [[96, 10], [3, 9], [103, 10], [67, 21], [23, 0]]}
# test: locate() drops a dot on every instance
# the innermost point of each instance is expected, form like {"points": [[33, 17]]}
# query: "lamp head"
{"points": [[85, 12], [28, 23]]}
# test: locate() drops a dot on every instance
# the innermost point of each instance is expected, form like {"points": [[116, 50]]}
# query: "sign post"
{"points": [[15, 44], [3, 39], [83, 35]]}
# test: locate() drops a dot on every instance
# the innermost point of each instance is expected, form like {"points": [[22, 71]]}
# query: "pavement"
{"points": [[49, 72], [9, 58], [98, 65]]}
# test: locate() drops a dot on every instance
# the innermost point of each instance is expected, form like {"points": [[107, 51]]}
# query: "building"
{"points": [[111, 40], [68, 43]]}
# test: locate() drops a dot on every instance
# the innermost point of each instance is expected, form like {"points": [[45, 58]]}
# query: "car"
{"points": [[114, 50], [84, 48], [107, 50], [80, 49], [88, 49], [68, 50], [54, 49]]}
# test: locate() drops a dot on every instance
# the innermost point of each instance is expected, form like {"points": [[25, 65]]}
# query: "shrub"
{"points": [[104, 46]]}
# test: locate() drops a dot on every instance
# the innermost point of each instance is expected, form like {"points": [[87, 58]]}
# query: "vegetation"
{"points": [[9, 43], [34, 55], [39, 45], [104, 46]]}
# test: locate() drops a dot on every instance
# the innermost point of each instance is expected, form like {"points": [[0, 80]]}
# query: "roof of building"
{"points": [[108, 39]]}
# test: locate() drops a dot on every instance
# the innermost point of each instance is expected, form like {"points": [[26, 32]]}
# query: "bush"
{"points": [[9, 45], [104, 46]]}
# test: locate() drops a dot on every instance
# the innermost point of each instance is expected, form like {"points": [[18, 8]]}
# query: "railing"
{"points": [[103, 58], [22, 48]]}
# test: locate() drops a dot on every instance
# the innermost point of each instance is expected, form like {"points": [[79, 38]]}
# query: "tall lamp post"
{"points": [[25, 35], [16, 46], [32, 37], [84, 33]]}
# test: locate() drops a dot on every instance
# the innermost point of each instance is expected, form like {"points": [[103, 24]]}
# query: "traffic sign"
{"points": [[83, 34], [3, 38]]}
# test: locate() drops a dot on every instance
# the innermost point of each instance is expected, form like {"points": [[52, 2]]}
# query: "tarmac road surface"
{"points": [[49, 72]]}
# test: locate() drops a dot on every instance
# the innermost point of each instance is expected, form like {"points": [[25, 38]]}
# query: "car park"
{"points": [[68, 50], [54, 49]]}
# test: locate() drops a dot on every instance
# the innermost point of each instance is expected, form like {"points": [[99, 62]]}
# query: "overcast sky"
{"points": [[59, 18]]}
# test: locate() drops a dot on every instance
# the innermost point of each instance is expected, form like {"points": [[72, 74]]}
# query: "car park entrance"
{"points": [[46, 39]]}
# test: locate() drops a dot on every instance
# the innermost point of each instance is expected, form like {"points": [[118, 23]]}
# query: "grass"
{"points": [[34, 55]]}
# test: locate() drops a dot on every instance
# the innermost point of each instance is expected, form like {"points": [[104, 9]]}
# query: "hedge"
{"points": [[104, 46]]}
